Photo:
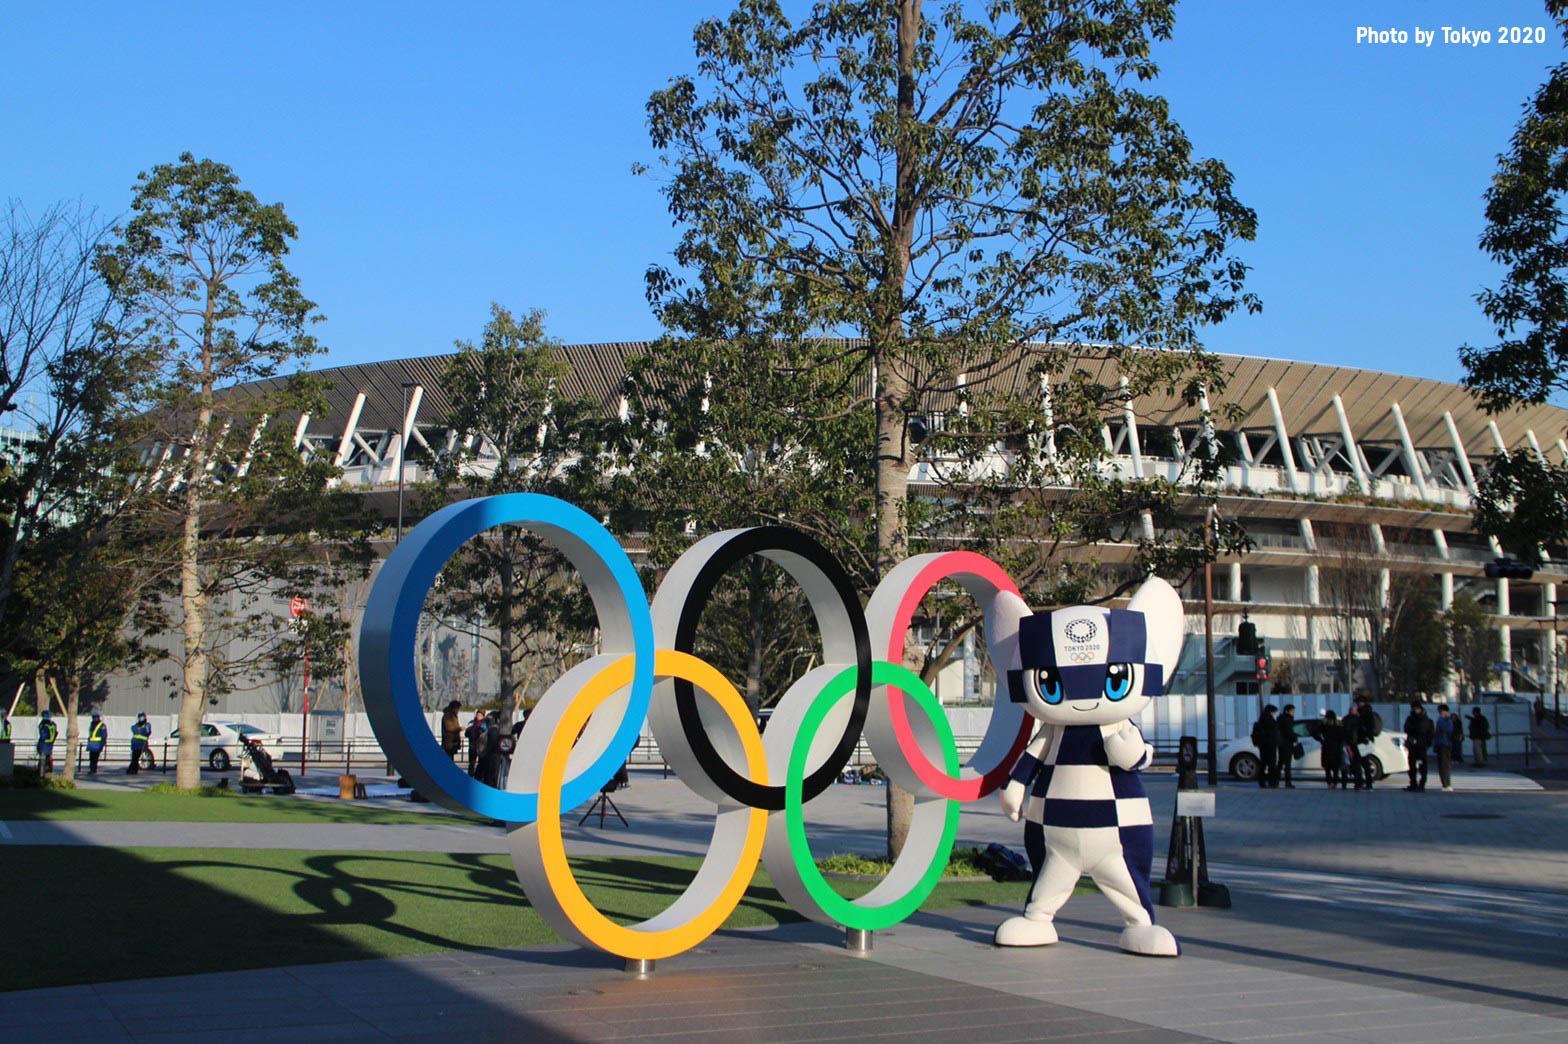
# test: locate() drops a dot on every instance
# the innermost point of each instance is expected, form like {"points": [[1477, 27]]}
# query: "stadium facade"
{"points": [[1327, 465]]}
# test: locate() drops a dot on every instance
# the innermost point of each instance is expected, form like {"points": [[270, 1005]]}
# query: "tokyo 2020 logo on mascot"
{"points": [[1086, 672]]}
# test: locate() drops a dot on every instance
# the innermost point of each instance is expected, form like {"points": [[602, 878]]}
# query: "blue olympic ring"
{"points": [[390, 628]]}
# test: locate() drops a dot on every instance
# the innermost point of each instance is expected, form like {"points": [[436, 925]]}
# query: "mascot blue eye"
{"points": [[1050, 685], [1118, 680]]}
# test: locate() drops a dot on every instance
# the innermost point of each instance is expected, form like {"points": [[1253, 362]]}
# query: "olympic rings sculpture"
{"points": [[586, 724]]}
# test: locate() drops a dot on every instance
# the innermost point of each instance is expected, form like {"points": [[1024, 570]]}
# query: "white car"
{"points": [[220, 741], [1385, 754]]}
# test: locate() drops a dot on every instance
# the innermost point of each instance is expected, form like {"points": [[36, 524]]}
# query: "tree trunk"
{"points": [[508, 579], [193, 601], [73, 728], [891, 396], [754, 616]]}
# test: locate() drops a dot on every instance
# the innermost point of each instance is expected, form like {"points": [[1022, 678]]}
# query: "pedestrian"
{"points": [[1480, 732], [1369, 726], [1265, 737], [48, 733], [97, 738], [491, 755], [1418, 740], [1289, 746], [1354, 762], [141, 744], [1443, 742], [5, 727], [451, 731], [476, 742], [1332, 735]]}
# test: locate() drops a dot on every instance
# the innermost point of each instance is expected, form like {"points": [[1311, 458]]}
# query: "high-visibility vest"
{"points": [[47, 732], [5, 731], [98, 733], [141, 732]]}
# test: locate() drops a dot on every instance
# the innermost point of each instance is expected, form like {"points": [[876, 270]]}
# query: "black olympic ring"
{"points": [[790, 542]]}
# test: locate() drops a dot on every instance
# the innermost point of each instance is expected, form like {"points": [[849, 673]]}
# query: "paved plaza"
{"points": [[1377, 917]]}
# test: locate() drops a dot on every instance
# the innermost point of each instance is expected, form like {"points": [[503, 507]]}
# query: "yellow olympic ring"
{"points": [[709, 899]]}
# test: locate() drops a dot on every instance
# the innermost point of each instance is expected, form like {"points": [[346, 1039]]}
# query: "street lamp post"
{"points": [[402, 456], [1208, 639]]}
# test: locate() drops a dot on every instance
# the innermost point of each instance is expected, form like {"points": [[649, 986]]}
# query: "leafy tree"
{"points": [[1522, 499], [1411, 658], [1475, 644], [1525, 235], [238, 514], [1523, 502], [78, 584], [980, 199], [62, 370], [515, 430]]}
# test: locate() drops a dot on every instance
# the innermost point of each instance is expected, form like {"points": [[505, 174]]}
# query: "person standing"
{"points": [[1265, 737], [1332, 735], [1418, 740], [476, 742], [5, 727], [97, 739], [1444, 742], [1369, 726], [48, 733], [1289, 745], [1356, 765], [141, 743], [451, 731], [1480, 732]]}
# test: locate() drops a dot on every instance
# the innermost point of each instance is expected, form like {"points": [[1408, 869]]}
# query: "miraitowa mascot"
{"points": [[1086, 672]]}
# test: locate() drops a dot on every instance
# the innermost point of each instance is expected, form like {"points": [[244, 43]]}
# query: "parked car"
{"points": [[220, 741], [1385, 754]]}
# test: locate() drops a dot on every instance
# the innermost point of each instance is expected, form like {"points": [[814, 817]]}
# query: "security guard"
{"points": [[141, 739], [48, 732], [5, 727], [97, 738]]}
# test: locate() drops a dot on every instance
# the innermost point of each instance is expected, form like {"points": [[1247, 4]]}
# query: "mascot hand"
{"points": [[1013, 800], [1125, 748]]}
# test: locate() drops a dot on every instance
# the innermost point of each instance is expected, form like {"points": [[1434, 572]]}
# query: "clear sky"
{"points": [[437, 157]]}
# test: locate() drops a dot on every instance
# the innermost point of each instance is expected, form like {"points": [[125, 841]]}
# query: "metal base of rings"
{"points": [[639, 967], [857, 940]]}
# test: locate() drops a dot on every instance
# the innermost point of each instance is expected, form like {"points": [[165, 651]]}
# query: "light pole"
{"points": [[402, 455], [1209, 544]]}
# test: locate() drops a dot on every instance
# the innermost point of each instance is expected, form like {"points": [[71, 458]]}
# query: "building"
{"points": [[1328, 466]]}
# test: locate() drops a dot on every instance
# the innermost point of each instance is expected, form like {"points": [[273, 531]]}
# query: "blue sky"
{"points": [[436, 160]]}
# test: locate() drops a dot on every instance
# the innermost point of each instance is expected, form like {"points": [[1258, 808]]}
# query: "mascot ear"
{"points": [[1163, 619], [1003, 614]]}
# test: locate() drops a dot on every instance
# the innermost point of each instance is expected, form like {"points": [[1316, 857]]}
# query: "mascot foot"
{"points": [[1021, 931], [1149, 940]]}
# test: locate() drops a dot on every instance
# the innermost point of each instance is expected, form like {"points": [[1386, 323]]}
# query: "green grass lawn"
{"points": [[83, 804], [76, 915]]}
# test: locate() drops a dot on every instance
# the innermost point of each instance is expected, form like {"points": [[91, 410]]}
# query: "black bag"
{"points": [[1298, 750], [1003, 864], [1374, 727]]}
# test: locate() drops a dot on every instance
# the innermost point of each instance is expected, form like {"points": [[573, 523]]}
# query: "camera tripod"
{"points": [[603, 804]]}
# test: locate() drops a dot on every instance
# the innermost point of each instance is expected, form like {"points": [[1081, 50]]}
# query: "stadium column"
{"points": [[1284, 442], [1549, 638], [1352, 451], [346, 443], [1459, 452], [1505, 633], [1412, 461]]}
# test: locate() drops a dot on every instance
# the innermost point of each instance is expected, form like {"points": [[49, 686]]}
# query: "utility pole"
{"points": [[1208, 639]]}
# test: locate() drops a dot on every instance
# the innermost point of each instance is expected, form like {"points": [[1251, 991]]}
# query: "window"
{"points": [[209, 730]]}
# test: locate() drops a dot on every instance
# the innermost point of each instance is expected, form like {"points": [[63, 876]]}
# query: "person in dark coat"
{"points": [[1287, 745], [1332, 734], [451, 731], [491, 755], [1265, 736], [1418, 740], [1355, 763], [1445, 734], [1480, 732], [476, 742]]}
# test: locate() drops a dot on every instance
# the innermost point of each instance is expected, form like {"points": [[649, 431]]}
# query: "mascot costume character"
{"points": [[1086, 672]]}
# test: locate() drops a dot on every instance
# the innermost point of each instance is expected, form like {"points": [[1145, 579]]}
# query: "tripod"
{"points": [[604, 804]]}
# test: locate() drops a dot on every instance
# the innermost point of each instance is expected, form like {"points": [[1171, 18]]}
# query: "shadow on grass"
{"points": [[209, 806]]}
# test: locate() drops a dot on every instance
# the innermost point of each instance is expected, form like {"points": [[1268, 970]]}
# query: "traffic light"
{"points": [[1508, 569], [1247, 638], [1263, 664]]}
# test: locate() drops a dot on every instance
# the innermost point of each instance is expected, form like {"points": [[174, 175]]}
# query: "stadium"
{"points": [[1328, 468]]}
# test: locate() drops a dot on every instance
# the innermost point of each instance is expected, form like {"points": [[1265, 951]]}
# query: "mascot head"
{"points": [[1087, 665]]}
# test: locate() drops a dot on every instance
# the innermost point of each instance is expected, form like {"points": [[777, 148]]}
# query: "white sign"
{"points": [[1196, 803]]}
